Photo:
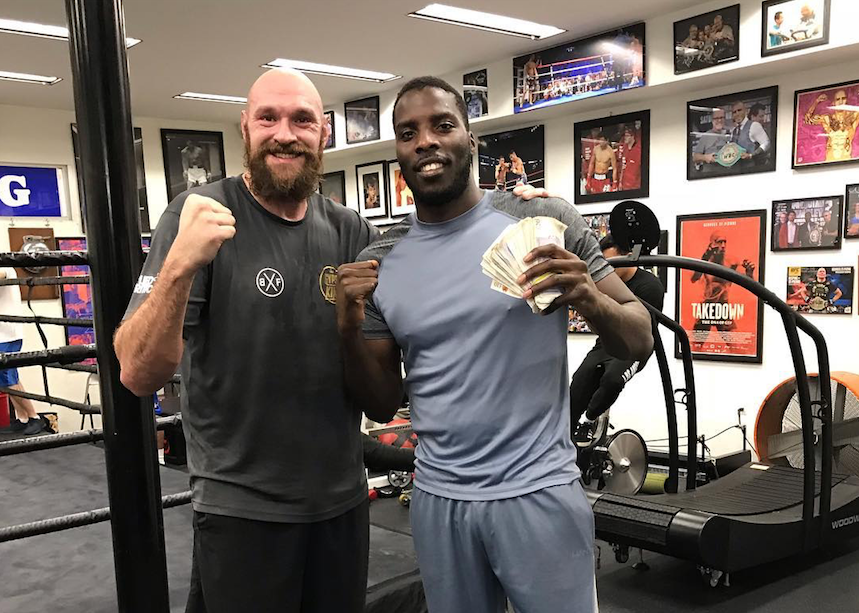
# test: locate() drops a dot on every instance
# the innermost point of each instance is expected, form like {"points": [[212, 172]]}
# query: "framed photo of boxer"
{"points": [[402, 199], [804, 224], [825, 290], [372, 200], [603, 64], [789, 25], [332, 141], [851, 212], [732, 135], [612, 158], [475, 92], [724, 322], [507, 158], [333, 186], [707, 40], [362, 120], [191, 158], [825, 120]]}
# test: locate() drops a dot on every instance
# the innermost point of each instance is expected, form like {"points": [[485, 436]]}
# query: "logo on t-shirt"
{"points": [[270, 282], [328, 284]]}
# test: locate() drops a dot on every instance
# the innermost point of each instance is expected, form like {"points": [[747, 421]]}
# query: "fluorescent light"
{"points": [[333, 71], [211, 98], [486, 21], [41, 30], [844, 107], [28, 78]]}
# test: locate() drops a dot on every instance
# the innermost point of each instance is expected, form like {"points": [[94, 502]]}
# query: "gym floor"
{"points": [[72, 571]]}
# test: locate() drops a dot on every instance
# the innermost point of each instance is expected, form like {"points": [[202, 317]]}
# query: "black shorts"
{"points": [[246, 566]]}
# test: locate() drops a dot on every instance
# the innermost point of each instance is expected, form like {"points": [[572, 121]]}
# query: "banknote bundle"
{"points": [[503, 262]]}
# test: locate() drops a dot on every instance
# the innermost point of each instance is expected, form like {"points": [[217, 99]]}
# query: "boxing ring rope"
{"points": [[83, 408], [54, 321], [30, 281], [44, 258]]}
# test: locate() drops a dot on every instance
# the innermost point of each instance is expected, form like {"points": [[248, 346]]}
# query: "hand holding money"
{"points": [[558, 272]]}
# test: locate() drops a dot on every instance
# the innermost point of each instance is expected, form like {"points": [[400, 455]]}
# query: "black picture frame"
{"points": [[704, 139], [332, 140], [526, 144], [191, 158], [704, 226], [789, 43], [822, 235], [585, 141], [475, 92], [366, 177], [362, 120], [806, 294], [851, 212], [333, 186], [401, 200], [707, 49], [811, 125]]}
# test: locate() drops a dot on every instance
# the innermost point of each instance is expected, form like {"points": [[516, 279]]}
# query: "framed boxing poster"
{"points": [[333, 186], [372, 200], [803, 224], [191, 158], [825, 120], [475, 92], [362, 120], [732, 135], [332, 141], [851, 212], [402, 199], [612, 158], [707, 40], [724, 322], [603, 64], [824, 290], [789, 25], [507, 158]]}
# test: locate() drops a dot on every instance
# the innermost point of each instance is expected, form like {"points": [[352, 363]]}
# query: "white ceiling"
{"points": [[217, 46]]}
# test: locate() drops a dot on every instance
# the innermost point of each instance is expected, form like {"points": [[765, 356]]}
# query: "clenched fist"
{"points": [[203, 227], [355, 283]]}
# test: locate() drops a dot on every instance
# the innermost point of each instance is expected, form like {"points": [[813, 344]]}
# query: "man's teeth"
{"points": [[432, 166], [287, 156]]}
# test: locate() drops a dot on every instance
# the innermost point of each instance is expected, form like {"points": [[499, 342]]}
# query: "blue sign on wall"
{"points": [[27, 191]]}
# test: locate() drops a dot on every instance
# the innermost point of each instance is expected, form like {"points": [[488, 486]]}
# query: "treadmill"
{"points": [[760, 512]]}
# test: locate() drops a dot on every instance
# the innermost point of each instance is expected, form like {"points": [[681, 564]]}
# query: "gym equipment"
{"points": [[761, 511]]}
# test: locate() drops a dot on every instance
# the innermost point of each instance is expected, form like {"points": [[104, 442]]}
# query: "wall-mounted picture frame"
{"points": [[733, 134], [851, 212], [475, 92], [825, 120], [612, 158], [724, 322], [707, 40], [790, 25], [34, 240], [602, 64], [332, 140], [515, 156], [400, 194], [824, 290], [191, 158], [333, 186], [362, 120], [372, 195], [805, 224]]}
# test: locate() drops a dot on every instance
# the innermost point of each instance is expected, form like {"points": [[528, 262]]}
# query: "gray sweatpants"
{"points": [[537, 550]]}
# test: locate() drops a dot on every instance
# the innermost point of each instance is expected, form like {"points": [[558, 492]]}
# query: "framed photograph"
{"points": [[372, 200], [507, 158], [825, 290], [593, 66], [851, 212], [825, 120], [34, 240], [707, 40], [332, 141], [333, 186], [803, 224], [362, 120], [142, 201], [191, 158], [732, 135], [724, 322], [612, 158], [402, 199], [475, 91], [788, 25]]}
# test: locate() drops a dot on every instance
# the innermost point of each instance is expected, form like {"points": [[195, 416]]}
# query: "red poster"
{"points": [[723, 321]]}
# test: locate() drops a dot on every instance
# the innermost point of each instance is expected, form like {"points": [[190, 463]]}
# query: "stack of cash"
{"points": [[504, 262]]}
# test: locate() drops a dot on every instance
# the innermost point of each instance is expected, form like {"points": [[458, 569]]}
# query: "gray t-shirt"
{"points": [[271, 434], [486, 377]]}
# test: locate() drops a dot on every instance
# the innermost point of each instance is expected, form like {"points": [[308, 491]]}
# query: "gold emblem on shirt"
{"points": [[328, 284]]}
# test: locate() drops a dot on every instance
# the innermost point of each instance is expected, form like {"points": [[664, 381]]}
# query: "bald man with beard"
{"points": [[839, 125], [238, 288]]}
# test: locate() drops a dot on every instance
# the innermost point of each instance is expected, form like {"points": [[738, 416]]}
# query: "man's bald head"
{"points": [[278, 81]]}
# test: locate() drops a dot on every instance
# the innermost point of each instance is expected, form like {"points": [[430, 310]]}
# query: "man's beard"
{"points": [[439, 196], [269, 185]]}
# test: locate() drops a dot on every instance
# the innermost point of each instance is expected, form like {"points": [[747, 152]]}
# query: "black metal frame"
{"points": [[820, 408]]}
